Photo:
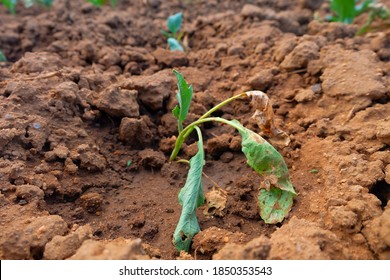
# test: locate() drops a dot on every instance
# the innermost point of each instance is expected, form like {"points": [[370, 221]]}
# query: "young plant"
{"points": [[2, 57], [276, 192], [30, 3], [347, 10], [100, 3], [174, 37], [11, 4]]}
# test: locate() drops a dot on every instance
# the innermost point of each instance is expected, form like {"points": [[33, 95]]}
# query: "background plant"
{"points": [[276, 192], [2, 57], [11, 4], [347, 10], [103, 2], [174, 35]]}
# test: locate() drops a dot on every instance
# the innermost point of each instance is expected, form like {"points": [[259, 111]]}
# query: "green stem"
{"points": [[223, 103], [183, 134], [180, 139]]}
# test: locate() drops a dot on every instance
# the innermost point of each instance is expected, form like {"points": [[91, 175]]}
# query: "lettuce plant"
{"points": [[276, 192], [174, 35]]}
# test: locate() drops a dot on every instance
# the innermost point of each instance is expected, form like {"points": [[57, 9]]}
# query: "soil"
{"points": [[87, 130]]}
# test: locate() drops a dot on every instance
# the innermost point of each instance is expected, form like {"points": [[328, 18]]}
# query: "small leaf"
{"points": [[2, 57], [97, 2], [184, 98], [190, 198], [176, 112], [174, 22], [276, 191], [174, 45], [10, 5], [344, 10], [166, 34]]}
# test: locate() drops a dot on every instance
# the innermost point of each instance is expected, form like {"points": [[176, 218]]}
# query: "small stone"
{"points": [[169, 58], [262, 80], [253, 11], [119, 102], [91, 202], [153, 90], [343, 218], [300, 56], [304, 95], [136, 132], [28, 193], [152, 159], [227, 157], [235, 49]]}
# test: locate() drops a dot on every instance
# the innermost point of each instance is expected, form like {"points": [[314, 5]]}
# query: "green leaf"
{"points": [[2, 57], [344, 10], [10, 5], [190, 198], [184, 98], [176, 112], [174, 23], [347, 10], [46, 3], [174, 45], [274, 204], [276, 192], [97, 2], [166, 34]]}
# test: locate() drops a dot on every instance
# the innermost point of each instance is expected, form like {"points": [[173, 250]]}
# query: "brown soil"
{"points": [[88, 90]]}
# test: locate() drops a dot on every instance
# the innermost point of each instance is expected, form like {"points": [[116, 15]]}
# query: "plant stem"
{"points": [[223, 103], [180, 139], [183, 134]]}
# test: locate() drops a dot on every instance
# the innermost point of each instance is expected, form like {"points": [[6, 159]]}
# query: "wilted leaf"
{"points": [[276, 191], [174, 45], [215, 203], [174, 23], [190, 198], [264, 116]]}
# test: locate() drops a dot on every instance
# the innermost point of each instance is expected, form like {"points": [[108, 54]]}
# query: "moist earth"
{"points": [[87, 130]]}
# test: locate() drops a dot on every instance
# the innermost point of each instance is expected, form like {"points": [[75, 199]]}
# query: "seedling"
{"points": [[11, 4], [174, 35], [100, 3], [276, 192], [347, 10], [2, 57]]}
